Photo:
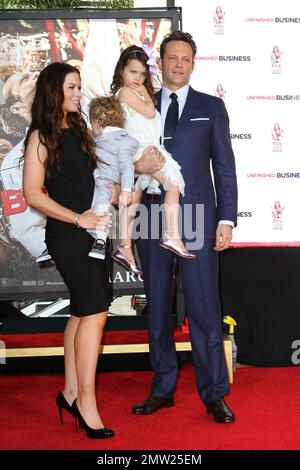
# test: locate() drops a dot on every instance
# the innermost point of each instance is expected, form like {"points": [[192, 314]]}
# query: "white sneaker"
{"points": [[43, 257], [99, 249]]}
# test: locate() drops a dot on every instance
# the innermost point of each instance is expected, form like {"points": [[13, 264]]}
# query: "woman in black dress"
{"points": [[59, 154]]}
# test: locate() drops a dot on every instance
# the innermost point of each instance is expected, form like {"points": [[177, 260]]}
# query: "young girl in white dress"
{"points": [[133, 86]]}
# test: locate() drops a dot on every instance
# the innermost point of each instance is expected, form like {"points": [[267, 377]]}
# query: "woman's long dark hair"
{"points": [[131, 53], [47, 115]]}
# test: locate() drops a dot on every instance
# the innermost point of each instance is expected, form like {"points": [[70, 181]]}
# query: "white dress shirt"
{"points": [[166, 101]]}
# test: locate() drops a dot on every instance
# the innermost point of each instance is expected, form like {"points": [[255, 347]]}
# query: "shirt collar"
{"points": [[108, 129], [181, 93]]}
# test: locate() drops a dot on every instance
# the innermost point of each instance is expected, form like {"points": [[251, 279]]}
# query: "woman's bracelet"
{"points": [[77, 217]]}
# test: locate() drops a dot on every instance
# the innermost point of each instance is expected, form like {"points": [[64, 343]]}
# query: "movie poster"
{"points": [[26, 47]]}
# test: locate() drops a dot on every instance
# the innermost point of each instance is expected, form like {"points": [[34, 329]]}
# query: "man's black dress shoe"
{"points": [[152, 404], [220, 411]]}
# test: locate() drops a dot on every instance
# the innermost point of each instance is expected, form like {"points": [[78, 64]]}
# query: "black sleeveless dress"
{"points": [[72, 186]]}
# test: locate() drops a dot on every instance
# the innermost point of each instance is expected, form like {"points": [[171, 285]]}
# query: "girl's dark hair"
{"points": [[131, 53], [47, 115]]}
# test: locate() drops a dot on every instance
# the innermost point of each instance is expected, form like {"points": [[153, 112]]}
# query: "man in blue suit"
{"points": [[201, 140]]}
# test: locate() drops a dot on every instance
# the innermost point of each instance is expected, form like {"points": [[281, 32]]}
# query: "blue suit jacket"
{"points": [[202, 137]]}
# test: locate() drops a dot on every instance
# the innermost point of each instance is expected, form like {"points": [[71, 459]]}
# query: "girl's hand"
{"points": [[90, 220], [140, 89], [125, 199]]}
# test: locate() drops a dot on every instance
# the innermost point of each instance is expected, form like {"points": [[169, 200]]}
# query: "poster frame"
{"points": [[172, 13]]}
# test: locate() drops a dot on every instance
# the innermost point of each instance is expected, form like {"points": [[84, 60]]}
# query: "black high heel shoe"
{"points": [[102, 433], [62, 404]]}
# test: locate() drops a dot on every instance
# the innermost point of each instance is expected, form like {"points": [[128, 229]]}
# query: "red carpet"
{"points": [[265, 401]]}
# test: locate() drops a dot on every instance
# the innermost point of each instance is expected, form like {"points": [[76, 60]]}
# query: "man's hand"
{"points": [[150, 162], [223, 237], [125, 199], [115, 192]]}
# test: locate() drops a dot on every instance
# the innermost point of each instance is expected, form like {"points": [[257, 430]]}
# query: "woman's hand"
{"points": [[90, 220]]}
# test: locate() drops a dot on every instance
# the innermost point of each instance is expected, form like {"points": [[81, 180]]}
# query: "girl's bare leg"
{"points": [[127, 216], [171, 205]]}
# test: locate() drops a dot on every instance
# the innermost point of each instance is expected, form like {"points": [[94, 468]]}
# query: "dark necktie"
{"points": [[171, 120]]}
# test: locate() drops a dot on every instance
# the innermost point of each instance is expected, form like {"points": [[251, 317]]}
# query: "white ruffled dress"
{"points": [[148, 131]]}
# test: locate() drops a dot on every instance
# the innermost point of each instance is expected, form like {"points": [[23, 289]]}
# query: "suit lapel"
{"points": [[185, 115], [158, 100]]}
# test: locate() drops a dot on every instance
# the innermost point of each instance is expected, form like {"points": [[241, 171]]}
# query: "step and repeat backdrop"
{"points": [[248, 55]]}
